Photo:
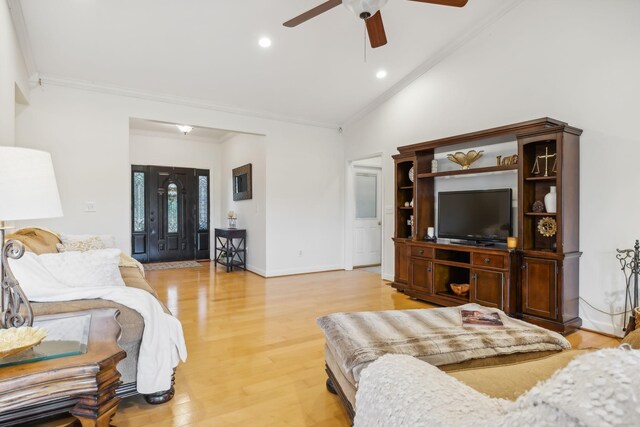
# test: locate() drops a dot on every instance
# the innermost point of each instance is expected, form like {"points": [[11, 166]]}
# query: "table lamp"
{"points": [[28, 190]]}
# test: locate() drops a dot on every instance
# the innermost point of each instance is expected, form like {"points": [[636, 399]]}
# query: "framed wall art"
{"points": [[242, 188]]}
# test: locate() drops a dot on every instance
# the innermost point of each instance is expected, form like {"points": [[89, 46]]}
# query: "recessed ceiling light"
{"points": [[184, 128], [381, 74], [264, 42]]}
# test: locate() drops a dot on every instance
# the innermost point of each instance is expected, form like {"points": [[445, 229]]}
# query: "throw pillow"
{"points": [[32, 275], [597, 389], [92, 243], [93, 268], [108, 240], [402, 391]]}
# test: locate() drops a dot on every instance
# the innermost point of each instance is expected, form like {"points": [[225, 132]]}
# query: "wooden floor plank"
{"points": [[255, 352]]}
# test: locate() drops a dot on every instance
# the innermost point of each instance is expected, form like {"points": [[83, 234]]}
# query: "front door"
{"points": [[170, 213]]}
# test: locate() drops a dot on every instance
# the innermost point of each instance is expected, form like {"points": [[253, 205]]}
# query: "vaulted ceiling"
{"points": [[207, 51]]}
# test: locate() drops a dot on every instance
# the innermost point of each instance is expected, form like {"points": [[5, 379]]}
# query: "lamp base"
{"points": [[13, 298]]}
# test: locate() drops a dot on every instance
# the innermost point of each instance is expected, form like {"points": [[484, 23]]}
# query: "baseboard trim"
{"points": [[304, 270], [593, 331], [256, 270], [599, 327]]}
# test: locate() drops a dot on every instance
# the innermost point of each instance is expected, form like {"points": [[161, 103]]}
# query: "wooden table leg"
{"points": [[97, 409]]}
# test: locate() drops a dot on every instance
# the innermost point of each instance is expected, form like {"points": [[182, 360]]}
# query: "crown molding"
{"points": [[178, 136], [448, 50], [45, 79], [15, 8]]}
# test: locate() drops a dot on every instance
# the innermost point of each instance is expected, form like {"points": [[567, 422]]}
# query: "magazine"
{"points": [[479, 318]]}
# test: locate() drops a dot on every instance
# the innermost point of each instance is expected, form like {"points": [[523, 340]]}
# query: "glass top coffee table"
{"points": [[67, 335]]}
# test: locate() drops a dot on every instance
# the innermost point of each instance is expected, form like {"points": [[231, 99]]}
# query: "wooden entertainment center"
{"points": [[537, 281]]}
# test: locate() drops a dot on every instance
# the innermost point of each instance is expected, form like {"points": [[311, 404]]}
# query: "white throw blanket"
{"points": [[162, 339]]}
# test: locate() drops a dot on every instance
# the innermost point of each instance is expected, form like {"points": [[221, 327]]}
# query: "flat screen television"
{"points": [[477, 215]]}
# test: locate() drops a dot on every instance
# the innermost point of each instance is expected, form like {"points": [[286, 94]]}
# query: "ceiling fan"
{"points": [[367, 10]]}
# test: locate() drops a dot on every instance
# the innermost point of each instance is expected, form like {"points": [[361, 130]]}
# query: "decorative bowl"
{"points": [[16, 340], [465, 160], [460, 288]]}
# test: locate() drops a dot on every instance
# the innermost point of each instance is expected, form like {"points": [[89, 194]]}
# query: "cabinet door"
{"points": [[539, 287], [487, 288], [421, 273], [402, 263]]}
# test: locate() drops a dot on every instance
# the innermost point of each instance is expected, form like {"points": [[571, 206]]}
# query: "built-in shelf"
{"points": [[454, 263], [541, 178], [406, 207], [448, 294], [470, 171], [537, 282]]}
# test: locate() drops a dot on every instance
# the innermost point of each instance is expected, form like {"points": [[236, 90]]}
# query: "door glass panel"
{"points": [[172, 208], [138, 202], [366, 186], [203, 203]]}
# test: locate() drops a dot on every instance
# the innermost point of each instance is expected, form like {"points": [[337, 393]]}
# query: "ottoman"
{"points": [[501, 361]]}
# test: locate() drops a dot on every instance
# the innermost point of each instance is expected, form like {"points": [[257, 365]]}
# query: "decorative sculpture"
{"points": [[630, 265], [465, 160]]}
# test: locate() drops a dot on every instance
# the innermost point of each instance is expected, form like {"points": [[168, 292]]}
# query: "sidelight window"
{"points": [[203, 203], [138, 202], [172, 208]]}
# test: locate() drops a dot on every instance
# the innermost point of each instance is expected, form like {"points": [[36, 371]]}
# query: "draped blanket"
{"points": [[162, 344], [435, 336]]}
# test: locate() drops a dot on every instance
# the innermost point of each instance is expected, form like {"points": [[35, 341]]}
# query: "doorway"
{"points": [[367, 214], [169, 213]]}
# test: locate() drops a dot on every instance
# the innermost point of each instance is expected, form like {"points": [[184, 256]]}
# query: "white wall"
{"points": [[87, 134], [238, 151], [13, 73], [305, 201], [573, 60]]}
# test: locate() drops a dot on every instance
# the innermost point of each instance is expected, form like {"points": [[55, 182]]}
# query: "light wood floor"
{"points": [[255, 352]]}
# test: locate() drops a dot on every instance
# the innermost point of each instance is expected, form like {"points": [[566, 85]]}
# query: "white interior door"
{"points": [[367, 224]]}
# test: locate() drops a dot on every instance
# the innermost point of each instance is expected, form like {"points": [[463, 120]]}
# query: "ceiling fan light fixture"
{"points": [[184, 128], [364, 8]]}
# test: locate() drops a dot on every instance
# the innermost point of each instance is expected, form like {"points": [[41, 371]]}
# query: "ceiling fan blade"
{"points": [[312, 13], [454, 3], [375, 28]]}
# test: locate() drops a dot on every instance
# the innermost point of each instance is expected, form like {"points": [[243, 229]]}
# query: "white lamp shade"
{"points": [[28, 188]]}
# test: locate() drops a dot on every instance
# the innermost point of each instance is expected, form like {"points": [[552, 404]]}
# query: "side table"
{"points": [[83, 384], [231, 248]]}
